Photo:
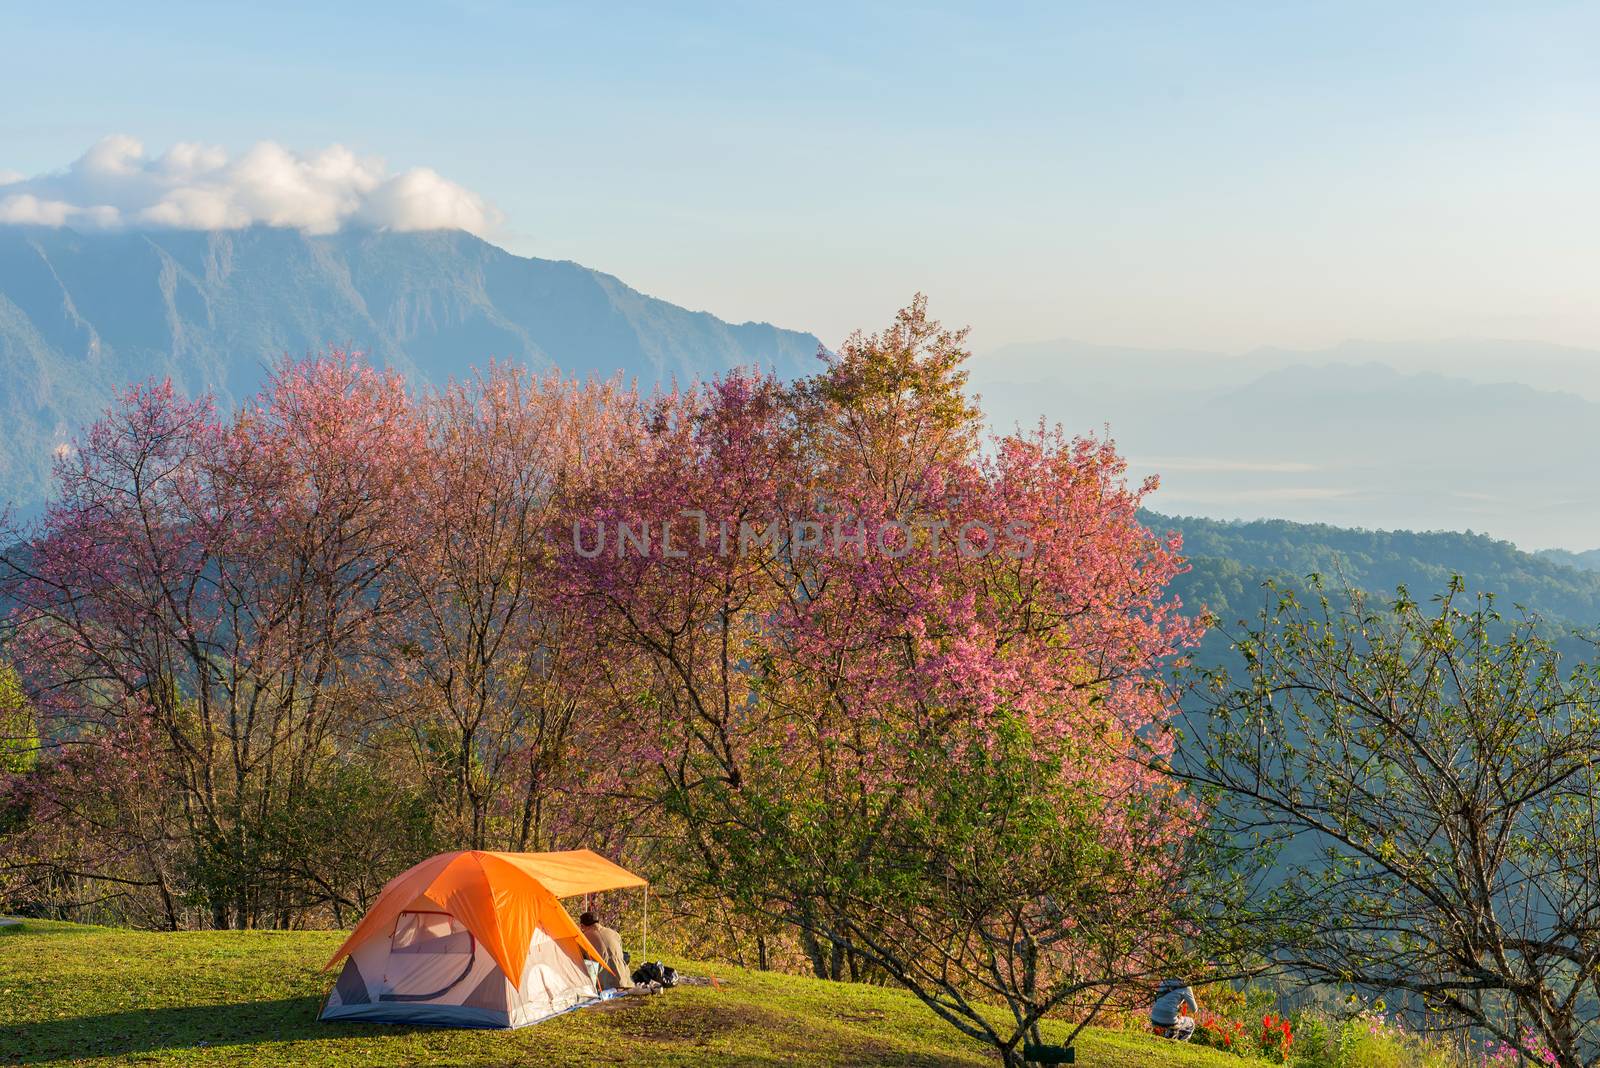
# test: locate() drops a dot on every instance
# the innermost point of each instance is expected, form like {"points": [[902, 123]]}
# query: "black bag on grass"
{"points": [[653, 971]]}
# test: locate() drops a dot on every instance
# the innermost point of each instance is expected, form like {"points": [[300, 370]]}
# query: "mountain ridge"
{"points": [[84, 314]]}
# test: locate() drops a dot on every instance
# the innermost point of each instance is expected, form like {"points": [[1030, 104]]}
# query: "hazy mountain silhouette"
{"points": [[82, 315], [1360, 435]]}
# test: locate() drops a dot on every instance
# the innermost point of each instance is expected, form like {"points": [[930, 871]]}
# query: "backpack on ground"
{"points": [[653, 971]]}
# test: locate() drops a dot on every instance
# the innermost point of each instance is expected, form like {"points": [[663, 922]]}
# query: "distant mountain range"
{"points": [[1467, 435], [1502, 437], [1229, 561], [82, 315]]}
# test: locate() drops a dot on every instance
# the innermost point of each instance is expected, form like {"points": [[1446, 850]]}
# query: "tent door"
{"points": [[429, 954]]}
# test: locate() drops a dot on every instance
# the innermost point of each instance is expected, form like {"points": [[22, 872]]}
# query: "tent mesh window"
{"points": [[429, 932]]}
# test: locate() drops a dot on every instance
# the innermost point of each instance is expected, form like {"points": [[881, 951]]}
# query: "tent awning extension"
{"points": [[573, 872]]}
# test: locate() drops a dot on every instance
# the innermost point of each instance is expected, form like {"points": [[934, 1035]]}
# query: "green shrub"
{"points": [[1369, 1040], [1313, 1041], [1360, 1049]]}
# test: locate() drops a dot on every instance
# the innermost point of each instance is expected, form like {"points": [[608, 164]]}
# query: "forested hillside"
{"points": [[1588, 560], [1230, 560]]}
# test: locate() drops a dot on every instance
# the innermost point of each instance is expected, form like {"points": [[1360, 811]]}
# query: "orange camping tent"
{"points": [[414, 955], [500, 897]]}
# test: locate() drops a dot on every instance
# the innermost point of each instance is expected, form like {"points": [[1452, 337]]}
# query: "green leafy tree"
{"points": [[1432, 778], [19, 733], [995, 883]]}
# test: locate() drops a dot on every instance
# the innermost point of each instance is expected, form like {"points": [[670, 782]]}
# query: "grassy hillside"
{"points": [[90, 995]]}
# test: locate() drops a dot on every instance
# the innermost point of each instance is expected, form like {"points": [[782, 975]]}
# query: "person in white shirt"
{"points": [[1167, 1015]]}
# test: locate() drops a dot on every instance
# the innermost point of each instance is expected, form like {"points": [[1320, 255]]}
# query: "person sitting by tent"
{"points": [[609, 944], [1167, 1015]]}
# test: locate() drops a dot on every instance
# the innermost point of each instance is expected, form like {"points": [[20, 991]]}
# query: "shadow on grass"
{"points": [[193, 1030], [189, 1027]]}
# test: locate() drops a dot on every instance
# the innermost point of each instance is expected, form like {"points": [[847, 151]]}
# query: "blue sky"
{"points": [[1205, 175]]}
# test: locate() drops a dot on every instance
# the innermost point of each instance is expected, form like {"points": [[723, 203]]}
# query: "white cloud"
{"points": [[23, 208], [200, 187]]}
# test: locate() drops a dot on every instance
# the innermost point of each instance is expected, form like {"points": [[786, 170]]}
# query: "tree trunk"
{"points": [[813, 951]]}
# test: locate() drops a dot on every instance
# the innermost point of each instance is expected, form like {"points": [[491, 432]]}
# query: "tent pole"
{"points": [[644, 951]]}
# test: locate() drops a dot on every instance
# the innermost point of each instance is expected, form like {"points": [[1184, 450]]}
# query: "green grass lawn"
{"points": [[92, 995]]}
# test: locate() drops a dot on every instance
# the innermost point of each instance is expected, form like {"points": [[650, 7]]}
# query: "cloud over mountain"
{"points": [[201, 187]]}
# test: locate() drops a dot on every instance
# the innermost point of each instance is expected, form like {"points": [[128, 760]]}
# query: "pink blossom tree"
{"points": [[836, 610], [206, 600], [501, 690]]}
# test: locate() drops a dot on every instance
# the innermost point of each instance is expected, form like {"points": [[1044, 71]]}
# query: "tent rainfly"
{"points": [[474, 939]]}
